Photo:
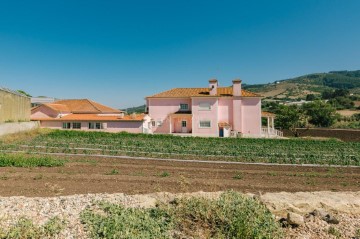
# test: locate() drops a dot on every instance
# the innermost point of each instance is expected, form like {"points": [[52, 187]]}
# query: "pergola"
{"points": [[270, 120]]}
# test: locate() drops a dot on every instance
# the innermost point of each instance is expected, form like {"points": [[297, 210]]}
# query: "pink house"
{"points": [[212, 111], [84, 114]]}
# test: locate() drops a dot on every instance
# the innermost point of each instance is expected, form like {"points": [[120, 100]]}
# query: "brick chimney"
{"points": [[237, 87], [213, 85]]}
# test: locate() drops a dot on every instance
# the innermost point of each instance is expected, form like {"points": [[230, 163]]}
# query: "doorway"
{"points": [[183, 126]]}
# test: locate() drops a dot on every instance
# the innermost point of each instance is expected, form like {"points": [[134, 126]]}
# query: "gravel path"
{"points": [[344, 205]]}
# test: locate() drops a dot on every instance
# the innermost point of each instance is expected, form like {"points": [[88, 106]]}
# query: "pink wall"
{"points": [[43, 112], [159, 109], [211, 115], [127, 126], [237, 114], [130, 127], [251, 118], [177, 125], [225, 113]]}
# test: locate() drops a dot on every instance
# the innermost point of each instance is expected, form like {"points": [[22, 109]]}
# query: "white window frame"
{"points": [[184, 108], [204, 127], [159, 123], [66, 125], [204, 106], [95, 125], [153, 123], [73, 123]]}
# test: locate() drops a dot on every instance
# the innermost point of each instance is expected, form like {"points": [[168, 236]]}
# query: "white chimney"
{"points": [[237, 87], [213, 85]]}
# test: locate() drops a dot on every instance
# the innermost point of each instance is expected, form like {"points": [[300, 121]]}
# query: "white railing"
{"points": [[270, 132]]}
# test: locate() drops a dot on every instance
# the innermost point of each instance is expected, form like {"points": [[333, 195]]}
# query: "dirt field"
{"points": [[84, 175]]}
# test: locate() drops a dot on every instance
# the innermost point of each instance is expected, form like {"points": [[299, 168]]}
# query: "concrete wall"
{"points": [[11, 128], [14, 107]]}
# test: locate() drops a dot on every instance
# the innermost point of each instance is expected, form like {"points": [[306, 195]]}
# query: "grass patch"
{"points": [[238, 175], [23, 160], [231, 216], [335, 232], [164, 174], [25, 228], [113, 172]]}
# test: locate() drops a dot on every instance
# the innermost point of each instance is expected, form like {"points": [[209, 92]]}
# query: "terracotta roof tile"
{"points": [[200, 92], [58, 107], [267, 114], [86, 106], [94, 117]]}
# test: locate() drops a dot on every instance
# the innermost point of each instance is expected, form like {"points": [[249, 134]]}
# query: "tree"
{"points": [[291, 118], [24, 93], [320, 113], [310, 97]]}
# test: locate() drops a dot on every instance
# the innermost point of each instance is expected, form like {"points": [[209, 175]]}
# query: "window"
{"points": [[183, 123], [93, 125], [184, 107], [204, 106], [153, 123], [66, 125], [159, 123], [76, 125], [204, 124]]}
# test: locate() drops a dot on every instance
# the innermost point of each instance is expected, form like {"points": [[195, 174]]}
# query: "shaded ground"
{"points": [[107, 175]]}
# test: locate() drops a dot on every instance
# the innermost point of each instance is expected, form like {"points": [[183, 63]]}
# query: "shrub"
{"points": [[115, 221], [25, 228], [231, 216]]}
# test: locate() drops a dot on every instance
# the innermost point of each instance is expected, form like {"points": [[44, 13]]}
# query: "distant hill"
{"points": [[299, 87], [137, 109]]}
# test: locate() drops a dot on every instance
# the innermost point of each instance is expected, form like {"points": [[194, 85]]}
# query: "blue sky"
{"points": [[118, 52]]}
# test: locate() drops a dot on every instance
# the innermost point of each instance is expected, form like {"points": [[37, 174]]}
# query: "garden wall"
{"points": [[11, 128]]}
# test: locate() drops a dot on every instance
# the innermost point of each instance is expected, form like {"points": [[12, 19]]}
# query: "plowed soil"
{"points": [[83, 175]]}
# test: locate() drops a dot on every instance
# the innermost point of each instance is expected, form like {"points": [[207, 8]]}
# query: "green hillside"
{"points": [[137, 109], [299, 87]]}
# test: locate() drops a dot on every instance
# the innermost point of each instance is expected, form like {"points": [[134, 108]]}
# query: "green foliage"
{"points": [[24, 93], [25, 228], [231, 216], [23, 160], [115, 221], [333, 231], [310, 97], [113, 172], [164, 174], [293, 151], [290, 117], [137, 109], [238, 175], [320, 113]]}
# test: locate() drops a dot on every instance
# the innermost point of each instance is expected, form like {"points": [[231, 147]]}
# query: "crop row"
{"points": [[294, 151]]}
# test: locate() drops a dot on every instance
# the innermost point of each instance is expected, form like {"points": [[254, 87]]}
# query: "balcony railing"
{"points": [[270, 132]]}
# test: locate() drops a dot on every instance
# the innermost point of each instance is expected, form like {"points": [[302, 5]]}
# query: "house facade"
{"points": [[84, 114], [213, 111]]}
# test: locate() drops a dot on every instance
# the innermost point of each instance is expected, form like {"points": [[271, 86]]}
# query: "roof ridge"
{"points": [[93, 105]]}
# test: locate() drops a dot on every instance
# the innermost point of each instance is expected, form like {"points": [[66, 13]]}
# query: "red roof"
{"points": [[201, 92], [94, 117]]}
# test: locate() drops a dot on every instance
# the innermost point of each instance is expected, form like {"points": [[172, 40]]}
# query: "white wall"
{"points": [[11, 128]]}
